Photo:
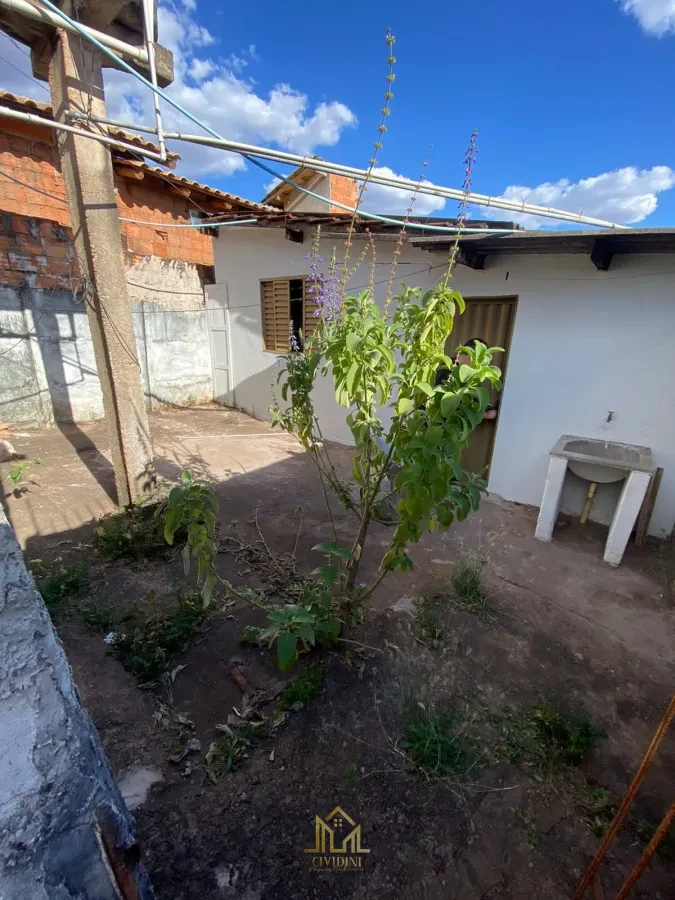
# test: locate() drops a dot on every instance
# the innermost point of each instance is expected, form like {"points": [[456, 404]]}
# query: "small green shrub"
{"points": [[147, 638], [226, 752], [302, 689], [65, 584], [427, 620], [469, 589], [131, 534], [251, 635], [545, 739], [17, 471], [437, 743], [98, 615]]}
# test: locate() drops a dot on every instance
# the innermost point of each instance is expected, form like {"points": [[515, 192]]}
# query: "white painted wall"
{"points": [[584, 343]]}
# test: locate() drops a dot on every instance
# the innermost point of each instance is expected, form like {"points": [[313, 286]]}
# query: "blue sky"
{"points": [[571, 99]]}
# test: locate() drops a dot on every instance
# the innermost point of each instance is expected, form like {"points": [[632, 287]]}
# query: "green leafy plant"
{"points": [[149, 635], [18, 471], [406, 428], [468, 583], [437, 743], [131, 534], [294, 627], [192, 506], [230, 748], [427, 621], [545, 739], [305, 624], [302, 689], [65, 584]]}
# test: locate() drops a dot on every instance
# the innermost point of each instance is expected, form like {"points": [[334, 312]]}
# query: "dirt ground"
{"points": [[563, 625]]}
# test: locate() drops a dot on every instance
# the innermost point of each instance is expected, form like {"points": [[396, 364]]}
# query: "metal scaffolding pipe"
{"points": [[60, 126], [148, 27], [40, 14], [321, 165]]}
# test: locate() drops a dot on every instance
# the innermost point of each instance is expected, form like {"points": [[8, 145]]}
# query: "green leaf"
{"points": [[175, 497], [434, 435], [404, 405], [278, 615], [352, 340], [342, 553], [426, 388], [388, 356], [185, 553], [330, 574], [207, 590], [172, 520], [287, 650], [323, 548], [306, 633], [210, 521], [466, 372], [449, 403], [353, 376], [329, 630], [483, 396], [303, 616]]}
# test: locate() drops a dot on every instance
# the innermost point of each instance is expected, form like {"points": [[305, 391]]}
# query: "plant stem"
{"points": [[375, 584]]}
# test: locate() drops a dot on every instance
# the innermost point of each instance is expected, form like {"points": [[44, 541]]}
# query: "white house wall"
{"points": [[591, 353]]}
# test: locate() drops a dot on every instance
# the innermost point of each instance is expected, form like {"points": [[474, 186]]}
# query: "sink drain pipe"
{"points": [[590, 497]]}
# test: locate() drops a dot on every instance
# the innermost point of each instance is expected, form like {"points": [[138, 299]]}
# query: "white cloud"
{"points": [[656, 17], [395, 201], [200, 68], [214, 90], [624, 196]]}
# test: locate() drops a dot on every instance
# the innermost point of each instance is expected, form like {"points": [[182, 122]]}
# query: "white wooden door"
{"points": [[219, 326]]}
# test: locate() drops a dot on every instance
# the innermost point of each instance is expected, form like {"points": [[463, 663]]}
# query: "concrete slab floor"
{"points": [[566, 581]]}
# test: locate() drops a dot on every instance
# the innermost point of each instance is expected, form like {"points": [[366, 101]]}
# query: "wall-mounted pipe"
{"points": [[61, 126], [322, 165], [590, 497], [149, 28]]}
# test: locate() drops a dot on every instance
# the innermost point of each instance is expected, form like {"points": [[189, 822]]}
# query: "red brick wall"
{"points": [[28, 152], [38, 252], [152, 200], [343, 190], [33, 161]]}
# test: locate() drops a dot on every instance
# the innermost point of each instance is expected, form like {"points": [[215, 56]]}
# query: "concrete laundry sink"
{"points": [[602, 461], [598, 461]]}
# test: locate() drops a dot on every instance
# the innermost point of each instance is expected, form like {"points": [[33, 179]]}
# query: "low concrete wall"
{"points": [[48, 371], [59, 803]]}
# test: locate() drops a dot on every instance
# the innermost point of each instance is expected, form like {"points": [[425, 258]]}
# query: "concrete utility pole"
{"points": [[76, 82]]}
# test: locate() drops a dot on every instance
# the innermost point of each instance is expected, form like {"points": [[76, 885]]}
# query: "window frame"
{"points": [[287, 279]]}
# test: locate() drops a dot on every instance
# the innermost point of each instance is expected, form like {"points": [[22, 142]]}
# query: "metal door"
{"points": [[489, 319], [219, 326]]}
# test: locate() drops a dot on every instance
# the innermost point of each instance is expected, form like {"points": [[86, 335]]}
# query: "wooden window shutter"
{"points": [[276, 314], [310, 322]]}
